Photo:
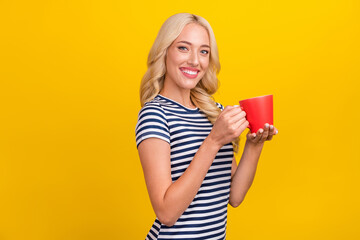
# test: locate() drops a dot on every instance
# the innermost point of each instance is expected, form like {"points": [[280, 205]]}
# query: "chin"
{"points": [[191, 85]]}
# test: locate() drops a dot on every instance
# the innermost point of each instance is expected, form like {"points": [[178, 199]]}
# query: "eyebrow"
{"points": [[204, 45]]}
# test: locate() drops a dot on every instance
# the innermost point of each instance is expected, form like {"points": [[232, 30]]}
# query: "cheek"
{"points": [[170, 63], [205, 64], [174, 58]]}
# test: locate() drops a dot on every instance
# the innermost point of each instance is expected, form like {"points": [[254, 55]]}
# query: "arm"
{"points": [[243, 175], [170, 199]]}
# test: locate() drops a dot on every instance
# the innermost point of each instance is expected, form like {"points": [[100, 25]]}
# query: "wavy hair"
{"points": [[153, 80]]}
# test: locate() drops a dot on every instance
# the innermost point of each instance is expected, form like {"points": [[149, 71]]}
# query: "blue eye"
{"points": [[181, 48], [206, 52]]}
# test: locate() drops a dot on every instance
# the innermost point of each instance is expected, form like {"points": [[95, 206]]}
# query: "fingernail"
{"points": [[254, 135], [271, 127], [236, 105], [276, 132], [266, 125], [261, 131]]}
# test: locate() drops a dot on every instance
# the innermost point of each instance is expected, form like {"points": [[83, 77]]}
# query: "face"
{"points": [[187, 58]]}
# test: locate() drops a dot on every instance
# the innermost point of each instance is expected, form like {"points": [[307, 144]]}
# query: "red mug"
{"points": [[259, 110]]}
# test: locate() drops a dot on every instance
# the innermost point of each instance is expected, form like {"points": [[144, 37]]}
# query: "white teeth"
{"points": [[189, 72]]}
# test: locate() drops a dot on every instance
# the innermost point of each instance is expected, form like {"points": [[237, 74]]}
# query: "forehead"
{"points": [[195, 34]]}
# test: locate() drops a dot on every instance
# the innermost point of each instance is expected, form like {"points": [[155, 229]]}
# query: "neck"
{"points": [[182, 97]]}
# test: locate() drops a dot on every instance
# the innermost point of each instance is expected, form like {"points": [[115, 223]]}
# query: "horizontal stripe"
{"points": [[200, 235], [199, 230], [151, 135], [188, 223], [211, 197], [198, 225], [202, 217], [185, 142], [226, 173], [206, 209], [205, 203], [184, 136]]}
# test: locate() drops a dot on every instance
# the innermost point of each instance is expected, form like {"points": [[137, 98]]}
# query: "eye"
{"points": [[182, 48], [204, 51]]}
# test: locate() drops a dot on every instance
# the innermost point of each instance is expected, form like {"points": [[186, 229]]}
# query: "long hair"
{"points": [[153, 80]]}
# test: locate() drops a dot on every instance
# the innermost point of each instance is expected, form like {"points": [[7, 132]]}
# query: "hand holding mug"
{"points": [[263, 134], [229, 125]]}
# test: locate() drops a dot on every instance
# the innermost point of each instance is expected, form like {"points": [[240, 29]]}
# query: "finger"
{"points": [[271, 133], [266, 132], [227, 109], [235, 110], [251, 136], [238, 117], [240, 126], [276, 131], [230, 107], [228, 112], [239, 122], [244, 124], [258, 135]]}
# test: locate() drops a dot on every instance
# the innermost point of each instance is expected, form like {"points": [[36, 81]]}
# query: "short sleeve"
{"points": [[220, 106], [151, 123]]}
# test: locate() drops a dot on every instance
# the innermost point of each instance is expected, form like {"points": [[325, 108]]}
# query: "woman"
{"points": [[186, 141]]}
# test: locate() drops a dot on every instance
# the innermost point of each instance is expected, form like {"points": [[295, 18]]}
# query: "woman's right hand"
{"points": [[229, 125]]}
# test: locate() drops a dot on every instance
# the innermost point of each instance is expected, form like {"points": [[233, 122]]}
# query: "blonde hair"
{"points": [[153, 80]]}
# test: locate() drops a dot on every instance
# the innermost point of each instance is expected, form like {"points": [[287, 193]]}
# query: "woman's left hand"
{"points": [[262, 135]]}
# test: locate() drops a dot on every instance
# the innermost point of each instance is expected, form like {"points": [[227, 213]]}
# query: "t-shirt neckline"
{"points": [[178, 104]]}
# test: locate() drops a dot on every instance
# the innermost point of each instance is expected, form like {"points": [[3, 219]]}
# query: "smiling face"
{"points": [[187, 58]]}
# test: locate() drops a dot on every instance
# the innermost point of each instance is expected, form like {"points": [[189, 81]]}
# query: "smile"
{"points": [[189, 73]]}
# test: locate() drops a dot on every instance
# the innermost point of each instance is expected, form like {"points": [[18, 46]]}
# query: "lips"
{"points": [[189, 72]]}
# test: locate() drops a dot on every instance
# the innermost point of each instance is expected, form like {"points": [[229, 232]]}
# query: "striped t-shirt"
{"points": [[185, 129]]}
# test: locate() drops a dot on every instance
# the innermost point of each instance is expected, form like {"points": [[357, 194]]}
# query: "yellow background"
{"points": [[69, 79]]}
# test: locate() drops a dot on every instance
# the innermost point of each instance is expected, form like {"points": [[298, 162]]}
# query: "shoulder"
{"points": [[152, 107], [151, 113], [152, 122]]}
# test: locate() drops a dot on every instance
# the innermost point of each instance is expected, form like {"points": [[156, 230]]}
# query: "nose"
{"points": [[193, 59]]}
